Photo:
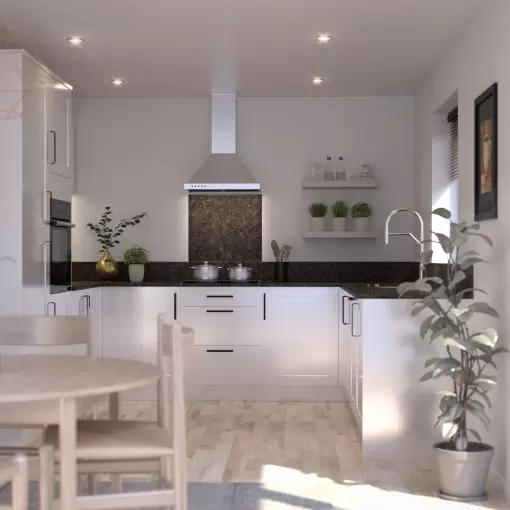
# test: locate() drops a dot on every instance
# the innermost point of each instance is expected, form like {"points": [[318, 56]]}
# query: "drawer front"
{"points": [[222, 325], [218, 365], [221, 296]]}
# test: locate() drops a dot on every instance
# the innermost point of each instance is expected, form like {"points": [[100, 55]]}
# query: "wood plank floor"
{"points": [[308, 448]]}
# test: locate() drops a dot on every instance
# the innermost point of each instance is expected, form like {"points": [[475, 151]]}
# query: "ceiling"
{"points": [[188, 48]]}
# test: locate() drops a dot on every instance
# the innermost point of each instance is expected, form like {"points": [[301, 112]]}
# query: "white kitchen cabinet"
{"points": [[24, 121], [130, 320], [301, 329], [351, 351], [58, 128]]}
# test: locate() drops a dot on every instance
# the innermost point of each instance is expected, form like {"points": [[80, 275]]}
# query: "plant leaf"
{"points": [[444, 241], [446, 393], [488, 337], [458, 277], [426, 376], [484, 397], [425, 325], [449, 430], [489, 380], [481, 416], [460, 343], [431, 361], [471, 261], [444, 213], [483, 308], [455, 411], [461, 443]]}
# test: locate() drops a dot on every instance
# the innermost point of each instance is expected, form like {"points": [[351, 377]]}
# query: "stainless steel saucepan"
{"points": [[205, 271], [239, 273]]}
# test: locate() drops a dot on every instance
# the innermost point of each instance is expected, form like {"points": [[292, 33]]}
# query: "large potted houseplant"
{"points": [[467, 362], [318, 216], [108, 238], [361, 213], [136, 257], [339, 211]]}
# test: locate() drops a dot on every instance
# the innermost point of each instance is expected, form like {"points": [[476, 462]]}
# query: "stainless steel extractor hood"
{"points": [[223, 170]]}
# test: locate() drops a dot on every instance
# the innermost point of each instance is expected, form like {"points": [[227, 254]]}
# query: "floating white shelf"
{"points": [[350, 183], [347, 234]]}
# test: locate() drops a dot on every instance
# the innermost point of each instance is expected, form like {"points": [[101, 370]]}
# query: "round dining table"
{"points": [[34, 379]]}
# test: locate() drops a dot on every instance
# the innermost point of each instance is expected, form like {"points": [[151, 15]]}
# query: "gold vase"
{"points": [[107, 268]]}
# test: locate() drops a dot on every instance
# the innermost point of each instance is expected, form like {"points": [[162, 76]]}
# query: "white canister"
{"points": [[318, 224], [339, 224], [136, 272], [362, 224]]}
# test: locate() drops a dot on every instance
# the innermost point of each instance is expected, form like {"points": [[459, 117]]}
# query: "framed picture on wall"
{"points": [[486, 154]]}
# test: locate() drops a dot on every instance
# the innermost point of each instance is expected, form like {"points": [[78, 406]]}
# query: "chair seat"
{"points": [[116, 440]]}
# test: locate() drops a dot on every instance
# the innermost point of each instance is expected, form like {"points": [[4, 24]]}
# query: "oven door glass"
{"points": [[60, 259]]}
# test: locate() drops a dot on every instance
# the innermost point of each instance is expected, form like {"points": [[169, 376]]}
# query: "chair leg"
{"points": [[46, 467], [20, 484]]}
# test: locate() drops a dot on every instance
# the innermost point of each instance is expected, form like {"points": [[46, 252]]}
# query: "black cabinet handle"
{"points": [[344, 299], [175, 306], [264, 306], [220, 311], [212, 296], [219, 350]]}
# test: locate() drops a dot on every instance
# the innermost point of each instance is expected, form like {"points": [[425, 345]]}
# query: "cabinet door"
{"points": [[58, 126], [130, 320], [89, 303], [344, 333], [357, 349], [58, 304], [301, 331]]}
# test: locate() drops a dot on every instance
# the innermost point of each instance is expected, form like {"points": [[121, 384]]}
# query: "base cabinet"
{"points": [[301, 329]]}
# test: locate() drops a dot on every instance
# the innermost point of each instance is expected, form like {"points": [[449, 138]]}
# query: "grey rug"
{"points": [[216, 496]]}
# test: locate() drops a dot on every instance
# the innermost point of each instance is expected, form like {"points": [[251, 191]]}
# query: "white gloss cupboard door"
{"points": [[301, 331], [130, 320], [89, 303], [58, 129]]}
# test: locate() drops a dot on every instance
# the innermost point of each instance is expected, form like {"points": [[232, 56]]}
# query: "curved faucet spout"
{"points": [[418, 241]]}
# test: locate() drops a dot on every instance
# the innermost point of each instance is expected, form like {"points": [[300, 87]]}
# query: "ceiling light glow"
{"points": [[318, 80], [323, 38], [75, 40], [117, 82]]}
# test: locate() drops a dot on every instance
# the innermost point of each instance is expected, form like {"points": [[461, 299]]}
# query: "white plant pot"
{"points": [[136, 272], [362, 224], [318, 224], [339, 224]]}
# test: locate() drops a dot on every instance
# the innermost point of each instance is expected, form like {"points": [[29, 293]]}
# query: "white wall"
{"points": [[479, 58], [136, 154]]}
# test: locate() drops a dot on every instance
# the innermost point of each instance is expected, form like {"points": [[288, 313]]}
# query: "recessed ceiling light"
{"points": [[75, 40], [323, 37], [318, 80], [117, 82]]}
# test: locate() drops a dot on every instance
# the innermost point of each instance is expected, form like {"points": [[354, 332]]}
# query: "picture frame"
{"points": [[486, 154]]}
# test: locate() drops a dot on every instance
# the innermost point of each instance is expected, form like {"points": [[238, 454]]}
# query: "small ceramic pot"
{"points": [[339, 224], [362, 224], [136, 272], [318, 224]]}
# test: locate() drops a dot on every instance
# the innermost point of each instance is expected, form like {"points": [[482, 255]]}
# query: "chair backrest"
{"points": [[44, 330], [175, 344], [16, 472]]}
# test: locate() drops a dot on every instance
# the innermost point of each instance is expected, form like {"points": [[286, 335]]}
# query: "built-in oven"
{"points": [[60, 246]]}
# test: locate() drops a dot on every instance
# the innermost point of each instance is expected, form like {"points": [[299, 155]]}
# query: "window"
{"points": [[453, 163]]}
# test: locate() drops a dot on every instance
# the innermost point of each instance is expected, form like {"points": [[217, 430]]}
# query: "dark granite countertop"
{"points": [[358, 290]]}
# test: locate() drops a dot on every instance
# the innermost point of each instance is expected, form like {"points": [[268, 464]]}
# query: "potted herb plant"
{"points": [[136, 257], [467, 362], [361, 213], [318, 213], [108, 238], [339, 211]]}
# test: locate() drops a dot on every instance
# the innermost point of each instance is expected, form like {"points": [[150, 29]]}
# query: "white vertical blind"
{"points": [[453, 166]]}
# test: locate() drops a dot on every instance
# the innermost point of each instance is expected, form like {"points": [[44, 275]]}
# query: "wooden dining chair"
{"points": [[122, 446], [15, 472], [40, 335]]}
